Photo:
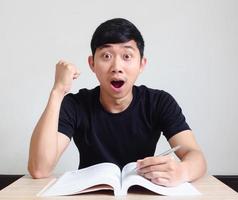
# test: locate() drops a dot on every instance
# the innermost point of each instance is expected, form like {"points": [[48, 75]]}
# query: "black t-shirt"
{"points": [[132, 134]]}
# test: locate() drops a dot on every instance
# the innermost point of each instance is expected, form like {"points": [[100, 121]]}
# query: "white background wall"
{"points": [[192, 52]]}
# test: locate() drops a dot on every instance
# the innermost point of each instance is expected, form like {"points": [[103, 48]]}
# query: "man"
{"points": [[117, 121]]}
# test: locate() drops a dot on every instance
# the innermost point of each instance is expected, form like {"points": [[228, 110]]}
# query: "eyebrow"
{"points": [[109, 45]]}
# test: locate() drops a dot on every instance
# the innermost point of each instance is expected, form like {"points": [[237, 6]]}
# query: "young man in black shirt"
{"points": [[116, 121]]}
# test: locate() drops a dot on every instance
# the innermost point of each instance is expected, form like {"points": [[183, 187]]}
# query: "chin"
{"points": [[122, 94]]}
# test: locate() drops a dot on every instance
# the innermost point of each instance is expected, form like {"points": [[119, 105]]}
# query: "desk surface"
{"points": [[26, 188]]}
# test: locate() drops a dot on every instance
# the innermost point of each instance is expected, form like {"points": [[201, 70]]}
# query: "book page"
{"points": [[74, 182], [130, 178], [129, 169]]}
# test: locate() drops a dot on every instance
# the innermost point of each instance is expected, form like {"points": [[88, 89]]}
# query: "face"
{"points": [[117, 67]]}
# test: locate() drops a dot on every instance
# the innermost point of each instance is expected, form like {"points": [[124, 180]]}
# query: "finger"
{"points": [[161, 181], [156, 174], [76, 73], [161, 167], [153, 161], [76, 76], [62, 62]]}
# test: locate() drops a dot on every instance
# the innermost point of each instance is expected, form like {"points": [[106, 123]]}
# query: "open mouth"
{"points": [[117, 84]]}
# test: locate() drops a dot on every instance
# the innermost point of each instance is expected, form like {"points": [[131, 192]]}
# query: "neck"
{"points": [[115, 105]]}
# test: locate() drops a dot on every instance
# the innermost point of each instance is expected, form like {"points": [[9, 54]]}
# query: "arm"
{"points": [[167, 171], [47, 144], [193, 162]]}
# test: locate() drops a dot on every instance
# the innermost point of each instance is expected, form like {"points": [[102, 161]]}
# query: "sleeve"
{"points": [[171, 116], [67, 116]]}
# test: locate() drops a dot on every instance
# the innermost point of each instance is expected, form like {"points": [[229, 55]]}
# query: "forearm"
{"points": [[44, 141], [194, 165]]}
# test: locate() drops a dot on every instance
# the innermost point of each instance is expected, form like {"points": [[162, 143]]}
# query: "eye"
{"points": [[107, 56], [127, 56]]}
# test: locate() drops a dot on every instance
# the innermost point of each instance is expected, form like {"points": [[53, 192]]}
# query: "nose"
{"points": [[116, 66]]}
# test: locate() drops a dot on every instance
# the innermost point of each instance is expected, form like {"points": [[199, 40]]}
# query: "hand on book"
{"points": [[161, 170]]}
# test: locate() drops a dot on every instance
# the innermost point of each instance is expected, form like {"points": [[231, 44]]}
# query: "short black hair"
{"points": [[117, 30]]}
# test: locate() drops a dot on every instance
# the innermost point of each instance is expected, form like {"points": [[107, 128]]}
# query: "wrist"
{"points": [[185, 172], [57, 94]]}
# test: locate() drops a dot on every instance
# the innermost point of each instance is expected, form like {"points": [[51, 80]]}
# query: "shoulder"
{"points": [[157, 100], [153, 94], [84, 96]]}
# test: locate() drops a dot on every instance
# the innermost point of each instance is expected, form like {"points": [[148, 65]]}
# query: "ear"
{"points": [[91, 62], [142, 64]]}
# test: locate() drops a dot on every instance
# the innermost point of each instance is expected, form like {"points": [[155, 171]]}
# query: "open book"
{"points": [[108, 176]]}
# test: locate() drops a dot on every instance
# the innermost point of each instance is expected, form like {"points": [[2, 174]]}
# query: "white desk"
{"points": [[26, 188]]}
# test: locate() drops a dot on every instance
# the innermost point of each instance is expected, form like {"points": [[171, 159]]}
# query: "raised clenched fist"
{"points": [[64, 76]]}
